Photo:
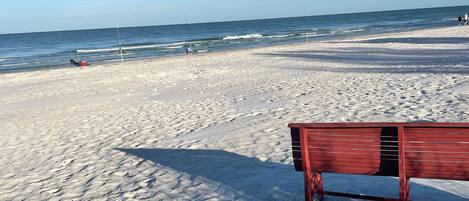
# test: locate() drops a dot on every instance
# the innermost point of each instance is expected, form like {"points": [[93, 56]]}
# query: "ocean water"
{"points": [[30, 51]]}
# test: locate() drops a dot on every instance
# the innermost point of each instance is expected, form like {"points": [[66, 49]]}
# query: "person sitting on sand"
{"points": [[79, 63], [73, 62], [189, 50]]}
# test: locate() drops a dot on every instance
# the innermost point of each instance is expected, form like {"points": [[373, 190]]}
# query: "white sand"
{"points": [[214, 126]]}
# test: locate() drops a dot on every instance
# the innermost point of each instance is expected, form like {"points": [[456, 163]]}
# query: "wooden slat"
{"points": [[423, 147], [344, 131], [436, 125], [345, 141], [441, 162], [342, 125], [362, 147], [371, 163], [349, 170], [434, 143], [317, 154], [348, 145], [349, 135], [383, 157], [451, 139], [360, 159], [457, 136], [339, 149], [438, 136], [417, 144], [350, 139], [436, 131], [436, 156], [438, 167]]}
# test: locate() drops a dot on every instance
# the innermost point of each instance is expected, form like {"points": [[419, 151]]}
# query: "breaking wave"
{"points": [[352, 30], [248, 36], [281, 36]]}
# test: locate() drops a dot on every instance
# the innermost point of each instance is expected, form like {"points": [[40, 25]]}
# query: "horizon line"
{"points": [[241, 20]]}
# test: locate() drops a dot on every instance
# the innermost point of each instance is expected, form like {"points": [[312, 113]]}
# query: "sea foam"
{"points": [[248, 36]]}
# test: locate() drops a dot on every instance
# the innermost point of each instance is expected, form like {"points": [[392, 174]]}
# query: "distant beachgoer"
{"points": [[465, 19], [459, 20], [82, 64], [189, 50]]}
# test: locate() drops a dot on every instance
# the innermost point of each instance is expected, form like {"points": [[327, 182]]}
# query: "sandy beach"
{"points": [[213, 126]]}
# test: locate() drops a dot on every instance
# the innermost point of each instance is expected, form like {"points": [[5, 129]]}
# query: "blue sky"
{"points": [[48, 15]]}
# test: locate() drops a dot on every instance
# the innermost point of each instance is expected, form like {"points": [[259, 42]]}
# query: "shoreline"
{"points": [[260, 46]]}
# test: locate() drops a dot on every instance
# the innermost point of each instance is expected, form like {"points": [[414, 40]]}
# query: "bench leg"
{"points": [[309, 185], [404, 188], [318, 184]]}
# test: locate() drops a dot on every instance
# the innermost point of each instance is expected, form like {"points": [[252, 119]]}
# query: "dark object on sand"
{"points": [[80, 63], [404, 150], [73, 62]]}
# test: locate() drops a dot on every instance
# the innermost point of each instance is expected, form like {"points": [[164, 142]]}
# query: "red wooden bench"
{"points": [[404, 150]]}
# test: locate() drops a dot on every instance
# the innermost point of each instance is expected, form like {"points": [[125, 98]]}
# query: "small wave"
{"points": [[98, 50], [142, 47], [124, 54], [352, 30], [15, 64], [311, 34], [201, 51], [181, 43], [1, 59], [403, 22], [248, 36], [280, 36], [304, 35], [175, 47], [449, 19]]}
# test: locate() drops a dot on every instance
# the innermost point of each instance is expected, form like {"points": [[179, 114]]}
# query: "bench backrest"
{"points": [[429, 150], [437, 152]]}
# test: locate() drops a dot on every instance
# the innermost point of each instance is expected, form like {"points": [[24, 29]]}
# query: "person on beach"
{"points": [[73, 62], [465, 19], [189, 50], [82, 64], [459, 20]]}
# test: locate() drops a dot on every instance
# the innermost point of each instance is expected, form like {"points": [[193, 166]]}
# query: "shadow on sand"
{"points": [[421, 40], [252, 179], [384, 60]]}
